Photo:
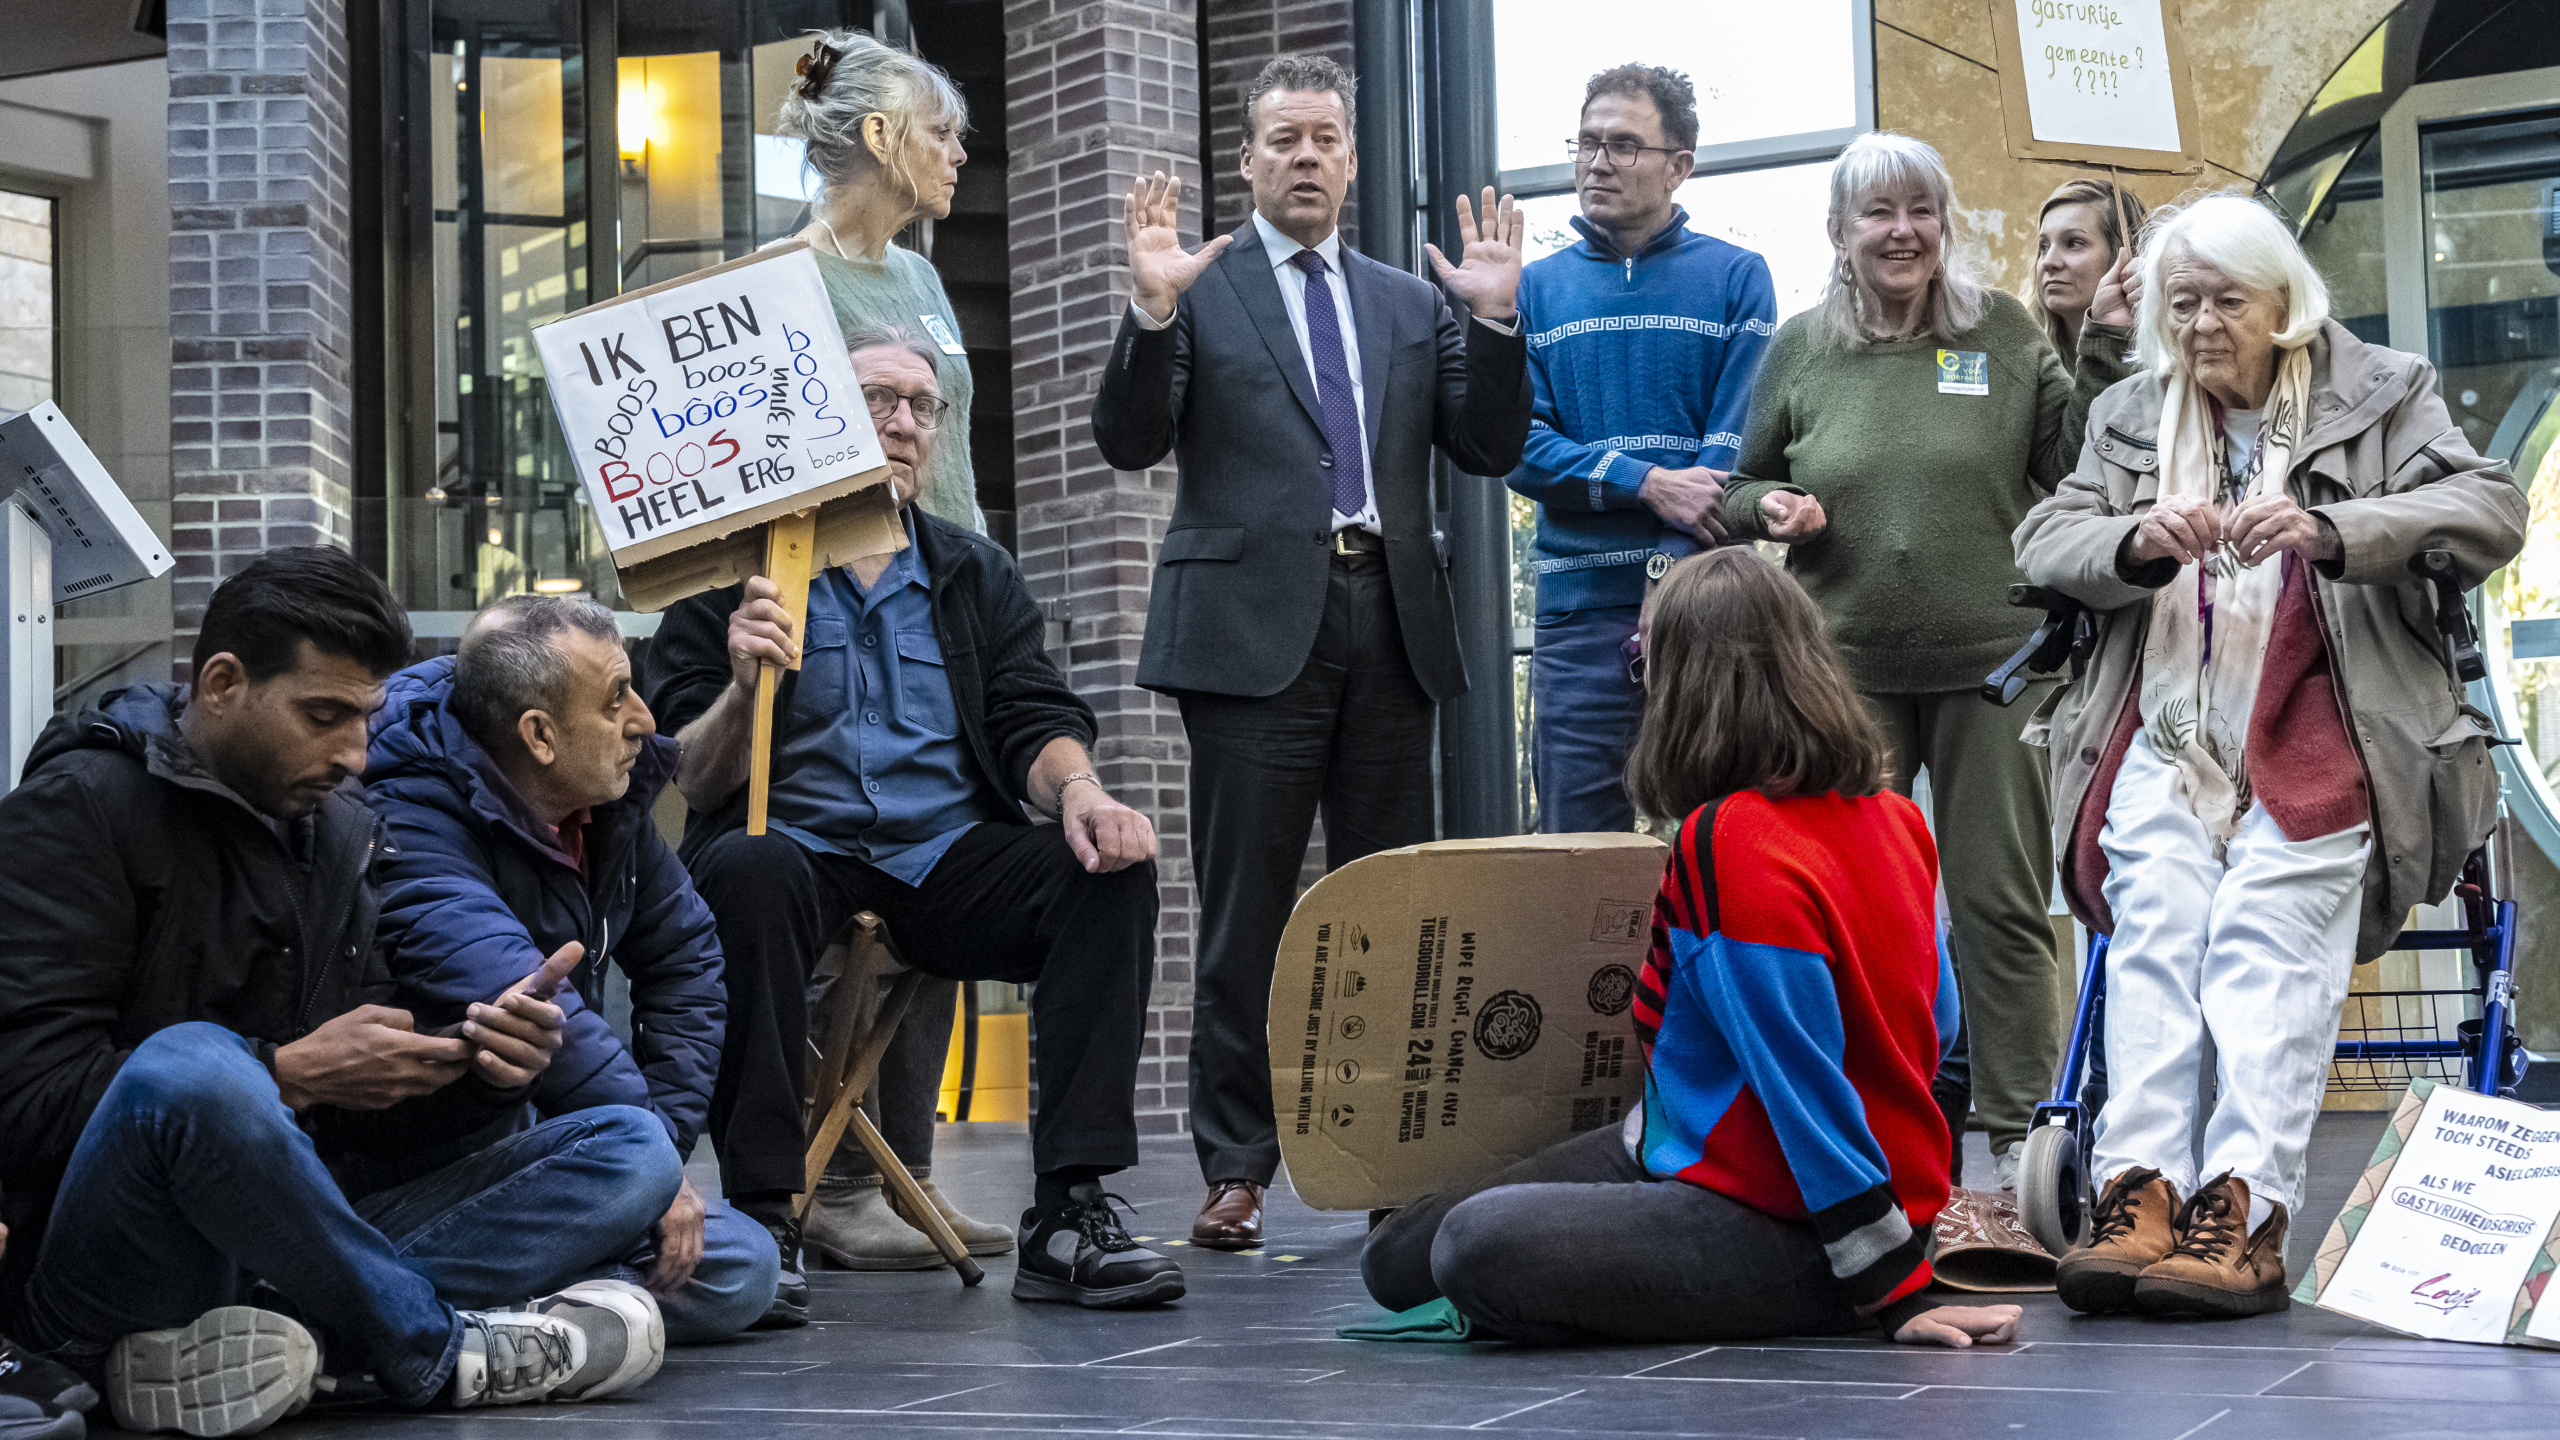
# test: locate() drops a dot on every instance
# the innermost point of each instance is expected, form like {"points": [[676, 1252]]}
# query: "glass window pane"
{"points": [[26, 301], [2343, 237], [1778, 212], [1760, 70], [2491, 198]]}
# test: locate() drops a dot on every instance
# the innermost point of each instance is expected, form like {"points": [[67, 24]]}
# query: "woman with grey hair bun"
{"points": [[883, 131], [1899, 432], [2268, 762]]}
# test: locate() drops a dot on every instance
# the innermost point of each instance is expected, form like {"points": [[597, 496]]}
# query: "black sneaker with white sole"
{"points": [[235, 1371], [39, 1399], [1078, 1253]]}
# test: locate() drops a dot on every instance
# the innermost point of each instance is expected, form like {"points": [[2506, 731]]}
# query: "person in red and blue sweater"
{"points": [[1644, 340], [1789, 1160]]}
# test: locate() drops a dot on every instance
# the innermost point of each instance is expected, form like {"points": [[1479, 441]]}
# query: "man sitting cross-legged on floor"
{"points": [[247, 1168], [925, 719], [516, 781]]}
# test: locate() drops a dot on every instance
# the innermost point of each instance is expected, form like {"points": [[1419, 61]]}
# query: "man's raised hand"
{"points": [[519, 1032], [1159, 268], [1487, 275]]}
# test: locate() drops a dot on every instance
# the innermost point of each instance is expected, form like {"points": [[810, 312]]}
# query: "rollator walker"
{"points": [[2389, 1038]]}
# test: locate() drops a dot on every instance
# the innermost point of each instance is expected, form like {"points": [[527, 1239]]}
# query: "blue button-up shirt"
{"points": [[871, 762]]}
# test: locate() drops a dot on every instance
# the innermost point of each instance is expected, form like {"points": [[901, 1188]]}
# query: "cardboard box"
{"points": [[1440, 1011]]}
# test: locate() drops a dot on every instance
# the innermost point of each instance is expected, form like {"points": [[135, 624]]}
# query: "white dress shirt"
{"points": [[1281, 251]]}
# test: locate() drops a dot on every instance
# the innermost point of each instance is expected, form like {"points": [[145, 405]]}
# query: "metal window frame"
{"points": [[1766, 153], [2404, 247]]}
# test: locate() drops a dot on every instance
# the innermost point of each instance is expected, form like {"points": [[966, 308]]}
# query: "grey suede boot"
{"points": [[976, 1236], [852, 1228]]}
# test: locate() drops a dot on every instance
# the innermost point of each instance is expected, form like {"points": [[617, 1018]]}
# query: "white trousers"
{"points": [[2253, 948]]}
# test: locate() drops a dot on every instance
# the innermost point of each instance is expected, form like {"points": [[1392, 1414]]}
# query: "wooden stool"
{"points": [[856, 1000]]}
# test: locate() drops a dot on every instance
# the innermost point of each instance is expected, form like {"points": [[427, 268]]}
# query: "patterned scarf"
{"points": [[2209, 627]]}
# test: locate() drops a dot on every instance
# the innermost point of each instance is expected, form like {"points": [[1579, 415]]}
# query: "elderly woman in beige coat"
{"points": [[2267, 763]]}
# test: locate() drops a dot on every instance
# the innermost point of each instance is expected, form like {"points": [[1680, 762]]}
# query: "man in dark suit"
{"points": [[1301, 608]]}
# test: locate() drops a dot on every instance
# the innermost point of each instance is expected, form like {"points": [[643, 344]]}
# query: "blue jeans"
{"points": [[1587, 713], [191, 1182]]}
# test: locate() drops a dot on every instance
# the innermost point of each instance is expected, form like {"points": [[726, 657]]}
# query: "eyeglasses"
{"points": [[882, 401], [1622, 152]]}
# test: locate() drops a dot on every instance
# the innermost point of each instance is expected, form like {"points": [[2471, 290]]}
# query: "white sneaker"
{"points": [[235, 1371], [2004, 1166], [626, 1336], [513, 1357]]}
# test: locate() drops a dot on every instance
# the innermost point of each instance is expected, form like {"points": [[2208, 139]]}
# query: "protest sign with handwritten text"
{"points": [[2441, 1237], [716, 402], [2098, 82]]}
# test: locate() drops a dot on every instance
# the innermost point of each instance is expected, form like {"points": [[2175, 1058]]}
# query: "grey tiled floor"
{"points": [[1251, 1353]]}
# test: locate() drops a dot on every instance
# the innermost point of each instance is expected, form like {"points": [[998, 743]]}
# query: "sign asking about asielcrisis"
{"points": [[706, 405]]}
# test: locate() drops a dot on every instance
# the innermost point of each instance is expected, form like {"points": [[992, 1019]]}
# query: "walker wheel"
{"points": [[2053, 1188]]}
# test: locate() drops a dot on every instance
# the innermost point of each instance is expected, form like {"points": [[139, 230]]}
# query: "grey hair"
{"points": [[1300, 72], [1874, 162], [509, 669], [871, 334], [2243, 240], [846, 78]]}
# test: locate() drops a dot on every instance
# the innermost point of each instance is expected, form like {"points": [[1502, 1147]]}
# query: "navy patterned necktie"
{"points": [[1333, 388]]}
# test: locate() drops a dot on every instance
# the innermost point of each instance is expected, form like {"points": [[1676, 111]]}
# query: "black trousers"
{"points": [[1352, 736], [1577, 1242], [1007, 902]]}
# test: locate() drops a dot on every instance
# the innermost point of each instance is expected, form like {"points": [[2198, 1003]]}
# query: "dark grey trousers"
{"points": [[1578, 1243], [1351, 734], [909, 1088]]}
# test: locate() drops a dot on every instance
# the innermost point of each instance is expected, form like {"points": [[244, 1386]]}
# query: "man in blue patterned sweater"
{"points": [[1644, 339]]}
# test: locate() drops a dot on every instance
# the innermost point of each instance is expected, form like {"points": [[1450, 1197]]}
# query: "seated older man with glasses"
{"points": [[925, 723]]}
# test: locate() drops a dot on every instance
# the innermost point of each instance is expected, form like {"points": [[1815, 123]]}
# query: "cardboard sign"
{"points": [[1440, 1011], [710, 404], [2449, 1234], [100, 542], [2095, 82]]}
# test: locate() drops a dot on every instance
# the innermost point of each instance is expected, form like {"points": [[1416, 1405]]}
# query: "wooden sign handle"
{"points": [[789, 543]]}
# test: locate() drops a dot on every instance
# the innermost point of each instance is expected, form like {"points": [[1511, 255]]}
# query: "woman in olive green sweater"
{"points": [[1898, 433]]}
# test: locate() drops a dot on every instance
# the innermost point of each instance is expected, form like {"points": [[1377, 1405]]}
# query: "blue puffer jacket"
{"points": [[473, 901]]}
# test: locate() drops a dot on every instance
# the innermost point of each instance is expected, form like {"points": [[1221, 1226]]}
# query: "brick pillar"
{"points": [[1095, 95], [1243, 34], [260, 439]]}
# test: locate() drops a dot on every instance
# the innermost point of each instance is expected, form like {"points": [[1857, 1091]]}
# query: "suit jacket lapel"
{"points": [[1247, 267], [1372, 312]]}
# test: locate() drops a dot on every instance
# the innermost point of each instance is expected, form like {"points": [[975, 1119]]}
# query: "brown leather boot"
{"points": [[1231, 1218], [2217, 1266], [2130, 1231]]}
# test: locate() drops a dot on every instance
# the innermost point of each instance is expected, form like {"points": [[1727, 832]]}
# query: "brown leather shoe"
{"points": [[2133, 1229], [1231, 1218], [2217, 1266]]}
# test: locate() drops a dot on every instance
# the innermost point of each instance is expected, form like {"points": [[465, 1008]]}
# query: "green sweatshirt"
{"points": [[903, 290], [1925, 454]]}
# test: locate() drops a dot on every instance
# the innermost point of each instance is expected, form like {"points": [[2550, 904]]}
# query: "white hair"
{"points": [[2243, 240], [1875, 162], [849, 77]]}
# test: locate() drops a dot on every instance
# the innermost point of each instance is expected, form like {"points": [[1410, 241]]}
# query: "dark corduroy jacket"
{"points": [[1010, 698]]}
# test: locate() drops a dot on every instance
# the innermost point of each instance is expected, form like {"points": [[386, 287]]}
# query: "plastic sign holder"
{"points": [[70, 532]]}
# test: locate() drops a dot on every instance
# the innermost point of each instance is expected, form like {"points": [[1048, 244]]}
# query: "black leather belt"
{"points": [[1352, 540]]}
